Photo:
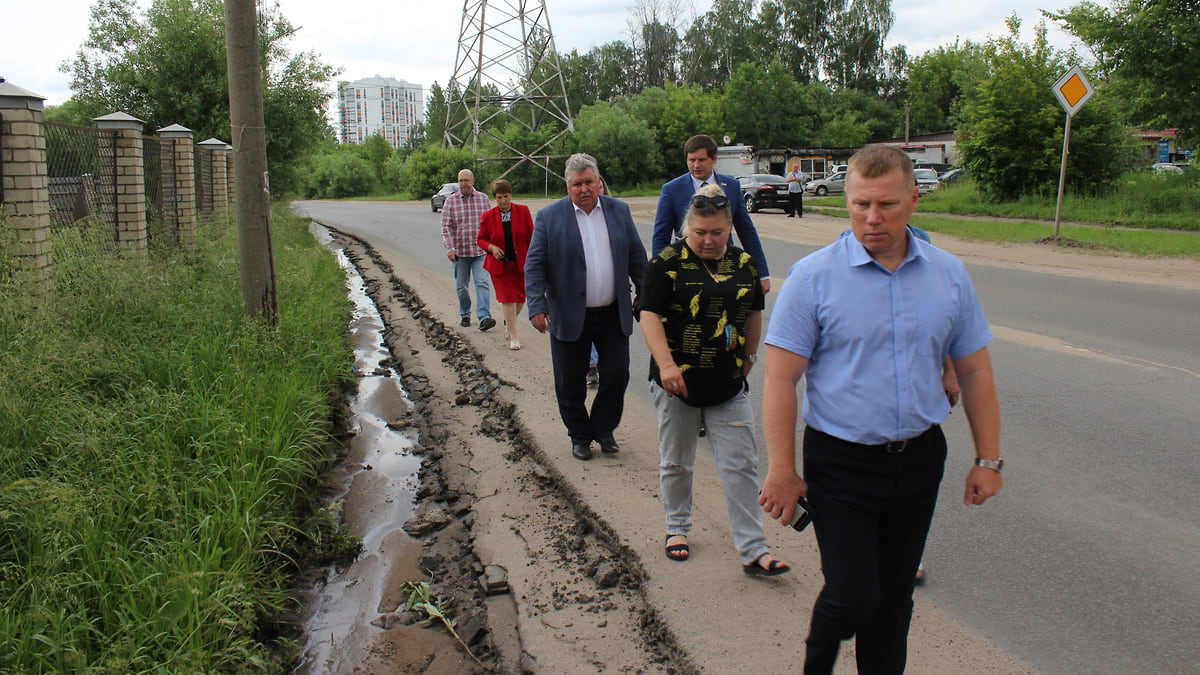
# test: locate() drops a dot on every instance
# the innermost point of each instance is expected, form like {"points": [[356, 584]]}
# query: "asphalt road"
{"points": [[1090, 560]]}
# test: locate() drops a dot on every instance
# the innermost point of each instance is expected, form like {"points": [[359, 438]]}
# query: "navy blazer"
{"points": [[673, 204], [556, 271]]}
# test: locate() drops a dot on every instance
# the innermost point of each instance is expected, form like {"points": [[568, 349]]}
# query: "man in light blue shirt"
{"points": [[868, 321]]}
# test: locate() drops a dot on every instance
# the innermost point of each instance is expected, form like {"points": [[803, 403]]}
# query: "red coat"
{"points": [[491, 232]]}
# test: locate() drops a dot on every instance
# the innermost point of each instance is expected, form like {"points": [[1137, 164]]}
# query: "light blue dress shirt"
{"points": [[876, 340]]}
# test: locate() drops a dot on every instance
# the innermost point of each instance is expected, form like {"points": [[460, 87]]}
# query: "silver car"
{"points": [[927, 180], [832, 185], [436, 201]]}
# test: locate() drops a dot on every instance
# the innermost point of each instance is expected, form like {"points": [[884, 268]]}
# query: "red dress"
{"points": [[508, 278]]}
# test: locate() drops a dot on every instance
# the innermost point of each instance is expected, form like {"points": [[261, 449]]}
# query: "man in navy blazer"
{"points": [[676, 195], [584, 254]]}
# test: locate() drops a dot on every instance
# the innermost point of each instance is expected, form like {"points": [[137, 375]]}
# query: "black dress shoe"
{"points": [[609, 446], [465, 322], [581, 451]]}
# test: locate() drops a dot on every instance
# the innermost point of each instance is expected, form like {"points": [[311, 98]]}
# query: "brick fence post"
{"points": [[229, 169], [183, 210], [130, 192], [25, 186], [220, 183]]}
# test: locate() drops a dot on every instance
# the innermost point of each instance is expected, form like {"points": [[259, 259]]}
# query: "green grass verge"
{"points": [[1148, 243], [157, 452], [1146, 215]]}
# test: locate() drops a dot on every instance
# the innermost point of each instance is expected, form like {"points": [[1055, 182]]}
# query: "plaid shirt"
{"points": [[460, 223]]}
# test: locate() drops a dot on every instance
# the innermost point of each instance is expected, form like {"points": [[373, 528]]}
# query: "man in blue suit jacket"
{"points": [[676, 195], [584, 254]]}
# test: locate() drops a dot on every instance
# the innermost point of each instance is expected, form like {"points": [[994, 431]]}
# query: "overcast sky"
{"points": [[416, 40]]}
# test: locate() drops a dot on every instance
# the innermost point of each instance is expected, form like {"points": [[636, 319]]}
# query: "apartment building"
{"points": [[379, 105]]}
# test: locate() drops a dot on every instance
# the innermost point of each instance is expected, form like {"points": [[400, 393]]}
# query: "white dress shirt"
{"points": [[597, 255]]}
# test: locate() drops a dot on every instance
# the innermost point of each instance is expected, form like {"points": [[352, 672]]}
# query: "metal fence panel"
{"points": [[82, 168]]}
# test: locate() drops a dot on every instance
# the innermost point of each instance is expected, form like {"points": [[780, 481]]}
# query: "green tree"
{"points": [[1011, 136], [428, 168], [436, 106], [1149, 52], [70, 112], [718, 42], [376, 150], [766, 107], [623, 145], [167, 65], [854, 58], [938, 83], [808, 27]]}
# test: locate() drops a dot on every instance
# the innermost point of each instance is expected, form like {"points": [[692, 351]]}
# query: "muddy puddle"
{"points": [[375, 486]]}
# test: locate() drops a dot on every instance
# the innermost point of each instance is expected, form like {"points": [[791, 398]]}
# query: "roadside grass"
{"points": [[1142, 200], [1147, 215], [1148, 243], [158, 452]]}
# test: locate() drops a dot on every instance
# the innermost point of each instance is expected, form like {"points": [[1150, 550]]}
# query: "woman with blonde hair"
{"points": [[701, 306]]}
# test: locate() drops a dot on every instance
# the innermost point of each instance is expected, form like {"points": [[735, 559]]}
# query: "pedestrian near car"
{"points": [[701, 310], [675, 197], [795, 184], [504, 233], [461, 214], [867, 322], [584, 255]]}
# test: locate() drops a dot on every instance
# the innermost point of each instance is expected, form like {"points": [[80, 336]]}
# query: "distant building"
{"points": [[379, 105]]}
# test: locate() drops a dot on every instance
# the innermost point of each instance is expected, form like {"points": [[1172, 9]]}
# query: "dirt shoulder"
{"points": [[580, 543]]}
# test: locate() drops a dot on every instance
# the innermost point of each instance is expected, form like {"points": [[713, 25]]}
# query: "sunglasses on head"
{"points": [[704, 201]]}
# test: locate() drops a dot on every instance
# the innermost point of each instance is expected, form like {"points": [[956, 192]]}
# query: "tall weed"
{"points": [[156, 452]]}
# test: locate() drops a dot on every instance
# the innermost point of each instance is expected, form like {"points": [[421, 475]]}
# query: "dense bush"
{"points": [[341, 173]]}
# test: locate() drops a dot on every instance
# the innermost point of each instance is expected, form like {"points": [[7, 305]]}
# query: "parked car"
{"points": [[936, 166], [952, 176], [436, 201], [832, 185], [764, 191], [927, 180], [1165, 167]]}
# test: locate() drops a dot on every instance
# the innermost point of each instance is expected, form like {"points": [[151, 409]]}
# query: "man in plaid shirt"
{"points": [[460, 231]]}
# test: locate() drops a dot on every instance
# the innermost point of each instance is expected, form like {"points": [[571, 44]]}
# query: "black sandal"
{"points": [[678, 552], [773, 568]]}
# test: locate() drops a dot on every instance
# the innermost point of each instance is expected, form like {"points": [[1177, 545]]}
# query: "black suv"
{"points": [[764, 191]]}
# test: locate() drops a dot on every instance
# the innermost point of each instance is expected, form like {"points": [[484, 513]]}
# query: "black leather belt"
{"points": [[891, 447], [601, 309]]}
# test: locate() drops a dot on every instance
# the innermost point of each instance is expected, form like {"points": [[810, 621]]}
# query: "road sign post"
{"points": [[1072, 90]]}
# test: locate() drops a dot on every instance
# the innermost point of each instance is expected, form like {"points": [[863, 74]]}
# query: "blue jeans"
{"points": [[464, 268]]}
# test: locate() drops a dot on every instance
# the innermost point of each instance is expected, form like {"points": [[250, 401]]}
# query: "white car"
{"points": [[1165, 167]]}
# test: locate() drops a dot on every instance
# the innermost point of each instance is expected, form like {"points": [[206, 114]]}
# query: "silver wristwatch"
{"points": [[996, 465], [752, 358]]}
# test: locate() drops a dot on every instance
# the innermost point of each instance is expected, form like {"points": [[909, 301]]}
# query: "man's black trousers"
{"points": [[796, 203], [873, 510], [601, 327]]}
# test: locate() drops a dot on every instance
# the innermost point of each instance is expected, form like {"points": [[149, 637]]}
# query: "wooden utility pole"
{"points": [[260, 294]]}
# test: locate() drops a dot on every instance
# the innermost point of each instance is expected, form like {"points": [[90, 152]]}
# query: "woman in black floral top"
{"points": [[702, 319]]}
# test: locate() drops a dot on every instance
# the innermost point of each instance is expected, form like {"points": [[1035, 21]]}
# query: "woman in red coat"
{"points": [[504, 232]]}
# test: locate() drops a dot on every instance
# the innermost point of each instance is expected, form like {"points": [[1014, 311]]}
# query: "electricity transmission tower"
{"points": [[507, 70]]}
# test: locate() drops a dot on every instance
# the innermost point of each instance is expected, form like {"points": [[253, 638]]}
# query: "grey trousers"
{"points": [[730, 426]]}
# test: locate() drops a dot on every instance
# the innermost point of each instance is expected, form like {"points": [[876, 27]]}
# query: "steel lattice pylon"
{"points": [[506, 69]]}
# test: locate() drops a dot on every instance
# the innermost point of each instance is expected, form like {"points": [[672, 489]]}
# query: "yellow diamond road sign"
{"points": [[1073, 90]]}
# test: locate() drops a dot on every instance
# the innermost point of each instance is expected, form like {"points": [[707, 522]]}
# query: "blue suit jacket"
{"points": [[673, 204], [556, 271]]}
